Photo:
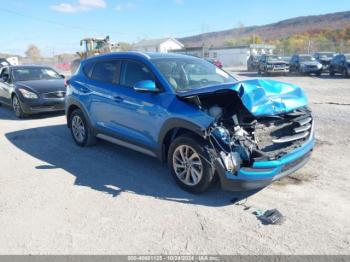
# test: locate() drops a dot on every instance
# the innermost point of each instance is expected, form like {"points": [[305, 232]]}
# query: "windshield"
{"points": [[35, 73], [347, 57], [326, 55], [191, 73], [306, 58], [273, 58]]}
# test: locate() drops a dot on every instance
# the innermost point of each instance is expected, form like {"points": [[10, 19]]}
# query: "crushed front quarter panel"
{"points": [[260, 97]]}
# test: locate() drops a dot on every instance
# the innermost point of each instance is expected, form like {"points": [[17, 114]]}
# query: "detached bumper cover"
{"points": [[263, 173]]}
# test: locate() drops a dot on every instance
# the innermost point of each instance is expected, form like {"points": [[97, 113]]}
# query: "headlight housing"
{"points": [[28, 94]]}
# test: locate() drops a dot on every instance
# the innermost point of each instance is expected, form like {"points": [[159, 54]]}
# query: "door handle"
{"points": [[118, 99]]}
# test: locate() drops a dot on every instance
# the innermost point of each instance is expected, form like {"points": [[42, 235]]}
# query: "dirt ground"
{"points": [[57, 198]]}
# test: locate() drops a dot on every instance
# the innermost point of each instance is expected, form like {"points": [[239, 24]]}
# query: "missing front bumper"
{"points": [[263, 173]]}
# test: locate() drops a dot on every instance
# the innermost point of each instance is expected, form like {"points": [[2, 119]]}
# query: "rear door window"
{"points": [[106, 71]]}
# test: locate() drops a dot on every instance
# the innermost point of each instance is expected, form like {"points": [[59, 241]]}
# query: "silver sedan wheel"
{"points": [[187, 165], [16, 106], [78, 128]]}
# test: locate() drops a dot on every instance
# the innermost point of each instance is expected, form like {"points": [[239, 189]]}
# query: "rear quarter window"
{"points": [[87, 69]]}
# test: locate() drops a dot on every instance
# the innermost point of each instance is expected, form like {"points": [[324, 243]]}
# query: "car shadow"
{"points": [[6, 113], [111, 169]]}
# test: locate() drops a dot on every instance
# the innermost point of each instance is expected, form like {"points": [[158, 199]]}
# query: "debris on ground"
{"points": [[270, 217]]}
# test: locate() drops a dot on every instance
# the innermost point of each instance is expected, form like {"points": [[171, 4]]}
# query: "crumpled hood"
{"points": [[260, 97]]}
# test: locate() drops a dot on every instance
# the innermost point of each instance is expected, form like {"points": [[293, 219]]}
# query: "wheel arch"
{"points": [[70, 109], [174, 128]]}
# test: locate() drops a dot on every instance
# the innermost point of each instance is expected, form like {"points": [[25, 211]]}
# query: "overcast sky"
{"points": [[56, 26]]}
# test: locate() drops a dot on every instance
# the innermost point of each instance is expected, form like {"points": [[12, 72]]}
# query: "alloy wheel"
{"points": [[78, 128], [187, 165], [16, 106]]}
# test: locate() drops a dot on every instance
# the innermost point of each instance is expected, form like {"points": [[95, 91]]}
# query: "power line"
{"points": [[73, 27]]}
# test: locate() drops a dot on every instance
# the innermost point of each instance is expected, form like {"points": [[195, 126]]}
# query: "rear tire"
{"points": [[80, 129], [189, 163], [17, 107]]}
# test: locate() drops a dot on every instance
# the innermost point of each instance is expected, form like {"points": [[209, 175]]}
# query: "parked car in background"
{"points": [[192, 115], [286, 59], [253, 63], [215, 62], [270, 64], [324, 58], [340, 64], [32, 89], [4, 62], [305, 64]]}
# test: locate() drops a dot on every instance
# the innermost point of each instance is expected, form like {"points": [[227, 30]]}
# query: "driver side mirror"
{"points": [[146, 86]]}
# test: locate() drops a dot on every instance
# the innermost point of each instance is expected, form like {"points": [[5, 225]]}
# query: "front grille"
{"points": [[55, 95], [279, 136]]}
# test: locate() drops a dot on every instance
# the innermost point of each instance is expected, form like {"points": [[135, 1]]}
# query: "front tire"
{"points": [[80, 129], [345, 72], [190, 164], [17, 107]]}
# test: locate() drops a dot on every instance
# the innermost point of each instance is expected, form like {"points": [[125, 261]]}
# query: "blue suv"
{"points": [[196, 117]]}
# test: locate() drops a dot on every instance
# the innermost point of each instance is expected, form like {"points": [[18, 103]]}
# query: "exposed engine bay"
{"points": [[239, 138]]}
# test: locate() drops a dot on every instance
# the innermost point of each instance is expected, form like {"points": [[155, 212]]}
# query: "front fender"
{"points": [[177, 123]]}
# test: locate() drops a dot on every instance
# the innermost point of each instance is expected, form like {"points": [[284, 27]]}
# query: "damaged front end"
{"points": [[250, 150]]}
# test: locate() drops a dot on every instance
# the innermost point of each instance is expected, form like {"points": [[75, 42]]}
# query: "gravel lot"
{"points": [[57, 198]]}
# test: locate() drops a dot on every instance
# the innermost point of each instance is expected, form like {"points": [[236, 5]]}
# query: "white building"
{"points": [[13, 60], [231, 55], [163, 45]]}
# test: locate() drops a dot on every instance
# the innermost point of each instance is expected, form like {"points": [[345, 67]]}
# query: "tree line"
{"points": [[308, 42]]}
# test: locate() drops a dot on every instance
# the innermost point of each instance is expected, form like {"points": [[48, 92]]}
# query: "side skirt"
{"points": [[126, 144]]}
